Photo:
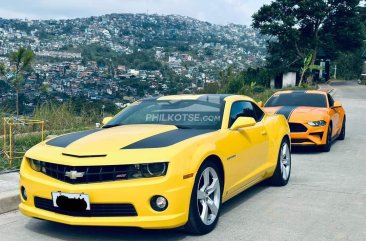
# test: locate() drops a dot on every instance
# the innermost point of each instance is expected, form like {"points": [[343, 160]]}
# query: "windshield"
{"points": [[190, 114], [297, 99]]}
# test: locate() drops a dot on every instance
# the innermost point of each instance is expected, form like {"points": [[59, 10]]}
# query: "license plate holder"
{"points": [[70, 198]]}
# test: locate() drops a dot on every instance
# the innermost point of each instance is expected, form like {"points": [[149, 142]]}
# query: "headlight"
{"points": [[317, 123], [149, 170], [35, 165]]}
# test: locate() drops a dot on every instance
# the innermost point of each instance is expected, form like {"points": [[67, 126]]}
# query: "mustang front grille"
{"points": [[96, 210]]}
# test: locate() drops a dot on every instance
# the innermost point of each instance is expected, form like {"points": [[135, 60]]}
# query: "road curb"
{"points": [[9, 201]]}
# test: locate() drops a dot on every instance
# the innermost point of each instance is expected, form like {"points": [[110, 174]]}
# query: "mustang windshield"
{"points": [[297, 99], [185, 114]]}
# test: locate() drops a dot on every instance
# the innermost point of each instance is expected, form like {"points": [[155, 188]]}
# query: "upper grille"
{"points": [[91, 174], [96, 210], [297, 127]]}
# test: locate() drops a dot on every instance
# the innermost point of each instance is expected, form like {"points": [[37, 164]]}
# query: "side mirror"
{"points": [[106, 120], [337, 104], [260, 104], [243, 122]]}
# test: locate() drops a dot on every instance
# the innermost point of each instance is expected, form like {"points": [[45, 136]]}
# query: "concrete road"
{"points": [[325, 199]]}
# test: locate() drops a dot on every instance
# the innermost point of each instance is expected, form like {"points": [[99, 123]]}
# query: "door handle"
{"points": [[264, 133]]}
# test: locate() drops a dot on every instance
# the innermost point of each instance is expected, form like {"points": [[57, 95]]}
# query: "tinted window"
{"points": [[195, 114], [241, 109], [297, 99], [330, 101], [258, 112]]}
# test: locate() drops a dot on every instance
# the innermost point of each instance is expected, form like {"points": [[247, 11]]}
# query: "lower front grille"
{"points": [[297, 127], [298, 141], [96, 210]]}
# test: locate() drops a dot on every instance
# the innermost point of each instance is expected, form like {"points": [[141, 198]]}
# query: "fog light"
{"points": [[159, 203], [23, 193]]}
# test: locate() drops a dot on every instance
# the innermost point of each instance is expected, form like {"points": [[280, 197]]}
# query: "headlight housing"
{"points": [[35, 165], [157, 169], [317, 123]]}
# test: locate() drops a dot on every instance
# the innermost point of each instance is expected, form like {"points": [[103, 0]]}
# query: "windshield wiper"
{"points": [[110, 126], [183, 127]]}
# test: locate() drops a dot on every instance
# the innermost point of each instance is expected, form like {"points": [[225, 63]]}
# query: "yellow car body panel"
{"points": [[247, 156]]}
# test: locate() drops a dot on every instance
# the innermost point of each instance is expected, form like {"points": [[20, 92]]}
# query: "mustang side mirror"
{"points": [[260, 104], [106, 120], [243, 122], [337, 104]]}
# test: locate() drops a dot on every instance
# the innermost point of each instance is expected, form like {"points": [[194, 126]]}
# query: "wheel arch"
{"points": [[217, 160]]}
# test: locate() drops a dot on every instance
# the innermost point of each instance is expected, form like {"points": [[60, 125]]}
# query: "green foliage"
{"points": [[22, 59], [308, 65], [60, 117], [349, 65], [300, 27], [105, 56], [2, 69]]}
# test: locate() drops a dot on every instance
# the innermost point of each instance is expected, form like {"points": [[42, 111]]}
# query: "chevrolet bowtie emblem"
{"points": [[74, 174]]}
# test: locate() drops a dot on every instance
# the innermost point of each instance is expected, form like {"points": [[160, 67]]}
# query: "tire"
{"points": [[342, 135], [205, 199], [328, 145], [282, 173]]}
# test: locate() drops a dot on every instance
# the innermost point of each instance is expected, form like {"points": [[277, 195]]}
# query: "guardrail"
{"points": [[11, 126]]}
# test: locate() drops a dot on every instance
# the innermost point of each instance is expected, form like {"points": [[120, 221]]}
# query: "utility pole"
{"points": [[335, 72]]}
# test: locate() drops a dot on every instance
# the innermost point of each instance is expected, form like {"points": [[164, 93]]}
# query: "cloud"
{"points": [[215, 11]]}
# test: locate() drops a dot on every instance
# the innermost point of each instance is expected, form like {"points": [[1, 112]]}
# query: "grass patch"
{"points": [[59, 119]]}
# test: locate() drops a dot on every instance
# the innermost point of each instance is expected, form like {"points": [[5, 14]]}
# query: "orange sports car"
{"points": [[314, 117]]}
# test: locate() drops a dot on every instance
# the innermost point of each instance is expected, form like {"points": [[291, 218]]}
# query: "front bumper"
{"points": [[137, 192], [311, 136]]}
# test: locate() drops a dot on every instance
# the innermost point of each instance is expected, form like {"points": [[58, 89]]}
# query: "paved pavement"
{"points": [[9, 181], [9, 197], [325, 199]]}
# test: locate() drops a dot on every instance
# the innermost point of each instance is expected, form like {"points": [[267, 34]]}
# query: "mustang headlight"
{"points": [[150, 170], [317, 123], [35, 165]]}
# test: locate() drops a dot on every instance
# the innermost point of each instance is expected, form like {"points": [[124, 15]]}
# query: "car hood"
{"points": [[99, 142], [300, 114]]}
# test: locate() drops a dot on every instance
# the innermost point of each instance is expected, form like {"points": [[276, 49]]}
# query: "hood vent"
{"points": [[84, 156]]}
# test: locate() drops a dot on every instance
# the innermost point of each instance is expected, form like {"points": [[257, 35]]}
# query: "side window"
{"points": [[330, 100], [258, 113], [241, 109]]}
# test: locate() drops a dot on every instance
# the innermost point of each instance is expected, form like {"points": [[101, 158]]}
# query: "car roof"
{"points": [[301, 91], [202, 97]]}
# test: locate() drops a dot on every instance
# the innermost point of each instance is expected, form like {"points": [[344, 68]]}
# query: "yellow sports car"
{"points": [[160, 163], [314, 117]]}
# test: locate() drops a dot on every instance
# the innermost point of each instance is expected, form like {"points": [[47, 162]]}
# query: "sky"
{"points": [[213, 11]]}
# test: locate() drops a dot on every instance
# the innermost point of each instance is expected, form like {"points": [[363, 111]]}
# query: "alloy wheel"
{"points": [[285, 161], [208, 196]]}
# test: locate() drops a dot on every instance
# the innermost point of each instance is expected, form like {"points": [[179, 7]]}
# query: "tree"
{"points": [[308, 66], [22, 60], [298, 28], [2, 69]]}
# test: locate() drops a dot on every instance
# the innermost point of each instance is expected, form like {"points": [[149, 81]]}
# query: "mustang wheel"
{"points": [[281, 176], [205, 203], [328, 145], [342, 135]]}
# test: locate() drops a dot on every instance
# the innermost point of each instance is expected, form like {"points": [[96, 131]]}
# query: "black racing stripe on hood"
{"points": [[286, 111], [167, 138], [65, 140]]}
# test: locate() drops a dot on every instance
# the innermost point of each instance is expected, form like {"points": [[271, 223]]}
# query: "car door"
{"points": [[249, 147], [334, 115]]}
